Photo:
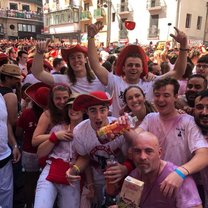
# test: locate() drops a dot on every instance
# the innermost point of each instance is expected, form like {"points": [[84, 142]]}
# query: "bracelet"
{"points": [[77, 169], [186, 170], [180, 173], [184, 49], [15, 146], [53, 138]]}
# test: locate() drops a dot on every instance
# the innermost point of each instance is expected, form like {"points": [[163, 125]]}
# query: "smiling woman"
{"points": [[136, 104]]}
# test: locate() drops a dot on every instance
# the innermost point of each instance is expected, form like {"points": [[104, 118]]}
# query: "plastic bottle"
{"points": [[111, 188], [115, 128]]}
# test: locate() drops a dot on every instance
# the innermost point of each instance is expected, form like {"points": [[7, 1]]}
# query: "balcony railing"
{"points": [[155, 4], [123, 34], [39, 2], [85, 15], [124, 8], [153, 32], [99, 13], [21, 14]]}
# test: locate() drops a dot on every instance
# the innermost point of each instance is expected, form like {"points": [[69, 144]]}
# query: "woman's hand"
{"points": [[65, 135]]}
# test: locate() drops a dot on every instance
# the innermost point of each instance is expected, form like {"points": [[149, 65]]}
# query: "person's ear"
{"points": [[160, 152]]}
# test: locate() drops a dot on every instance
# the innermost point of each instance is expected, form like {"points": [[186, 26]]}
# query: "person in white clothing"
{"points": [[62, 155], [80, 77], [131, 67], [90, 148], [6, 171]]}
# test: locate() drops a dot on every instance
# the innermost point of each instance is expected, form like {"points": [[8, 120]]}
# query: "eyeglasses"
{"points": [[203, 66], [131, 65], [201, 107]]}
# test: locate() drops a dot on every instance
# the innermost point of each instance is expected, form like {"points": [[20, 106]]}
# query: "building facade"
{"points": [[20, 19], [155, 19]]}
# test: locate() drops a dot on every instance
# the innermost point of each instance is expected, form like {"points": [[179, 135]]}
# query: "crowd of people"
{"points": [[55, 98]]}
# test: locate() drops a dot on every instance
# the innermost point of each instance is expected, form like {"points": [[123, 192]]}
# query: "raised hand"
{"points": [[93, 29], [42, 46], [65, 135], [180, 37]]}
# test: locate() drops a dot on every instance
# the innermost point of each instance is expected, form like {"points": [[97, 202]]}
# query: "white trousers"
{"points": [[46, 193], [6, 186]]}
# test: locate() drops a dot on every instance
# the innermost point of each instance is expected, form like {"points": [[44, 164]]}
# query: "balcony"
{"points": [[38, 2], [85, 16], [99, 13], [153, 33], [21, 15], [123, 9], [155, 5]]}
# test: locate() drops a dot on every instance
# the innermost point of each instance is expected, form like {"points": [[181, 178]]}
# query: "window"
{"points": [[113, 17], [188, 20], [29, 28], [13, 6], [76, 15], [24, 28], [86, 6], [33, 28], [199, 23], [153, 29], [25, 7], [19, 27], [153, 3], [85, 27], [39, 10]]}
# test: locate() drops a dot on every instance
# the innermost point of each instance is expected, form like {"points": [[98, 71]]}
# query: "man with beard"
{"points": [[146, 154], [201, 119], [195, 84], [202, 66], [180, 138]]}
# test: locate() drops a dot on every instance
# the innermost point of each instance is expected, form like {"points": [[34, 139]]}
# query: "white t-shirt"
{"points": [[82, 85], [179, 137], [30, 79], [117, 86], [5, 151], [87, 143]]}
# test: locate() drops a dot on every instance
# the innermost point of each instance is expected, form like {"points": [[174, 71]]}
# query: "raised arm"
{"points": [[181, 62], [38, 62], [100, 71]]}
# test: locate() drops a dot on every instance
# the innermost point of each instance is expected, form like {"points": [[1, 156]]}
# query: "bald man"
{"points": [[150, 169]]}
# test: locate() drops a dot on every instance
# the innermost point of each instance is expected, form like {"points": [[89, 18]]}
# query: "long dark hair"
{"points": [[57, 116], [72, 77], [149, 107]]}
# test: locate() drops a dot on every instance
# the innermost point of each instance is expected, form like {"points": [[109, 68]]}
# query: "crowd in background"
{"points": [[42, 84]]}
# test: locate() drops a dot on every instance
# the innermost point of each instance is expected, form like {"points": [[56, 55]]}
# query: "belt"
{"points": [[5, 161]]}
